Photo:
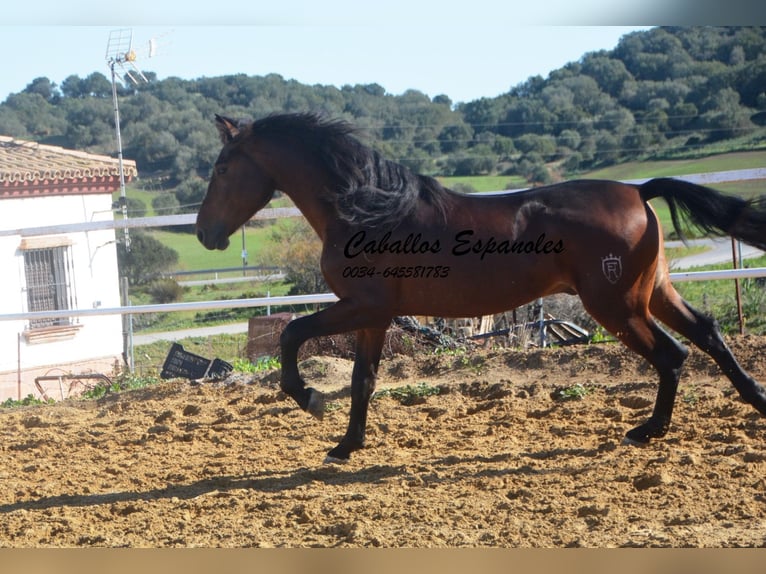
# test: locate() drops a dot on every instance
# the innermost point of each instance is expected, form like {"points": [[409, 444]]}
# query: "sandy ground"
{"points": [[500, 457]]}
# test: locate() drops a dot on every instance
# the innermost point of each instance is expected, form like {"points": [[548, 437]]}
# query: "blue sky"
{"points": [[463, 50], [466, 50], [463, 64]]}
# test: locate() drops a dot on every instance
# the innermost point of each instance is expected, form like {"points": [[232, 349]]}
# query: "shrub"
{"points": [[165, 291]]}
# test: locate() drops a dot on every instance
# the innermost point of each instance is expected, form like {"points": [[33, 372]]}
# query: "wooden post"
{"points": [[18, 365], [736, 261]]}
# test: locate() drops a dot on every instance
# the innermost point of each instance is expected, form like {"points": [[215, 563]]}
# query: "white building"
{"points": [[42, 186]]}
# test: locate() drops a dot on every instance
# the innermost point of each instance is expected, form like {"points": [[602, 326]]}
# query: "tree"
{"points": [[455, 137], [572, 163], [540, 175], [569, 139], [44, 87], [34, 113], [190, 194], [298, 256], [147, 258], [165, 204], [610, 73], [724, 116], [528, 116], [474, 161], [136, 207], [97, 85], [637, 141], [483, 114], [11, 124], [73, 87], [608, 148], [751, 82], [90, 124], [616, 121], [545, 145]]}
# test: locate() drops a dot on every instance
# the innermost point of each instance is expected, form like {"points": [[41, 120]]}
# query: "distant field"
{"points": [[485, 182], [725, 162], [193, 256]]}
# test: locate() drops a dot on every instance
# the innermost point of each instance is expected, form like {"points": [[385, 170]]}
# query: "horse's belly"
{"points": [[462, 294]]}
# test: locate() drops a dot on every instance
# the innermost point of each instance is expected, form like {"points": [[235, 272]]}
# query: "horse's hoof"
{"points": [[339, 455], [643, 434], [334, 460], [627, 441], [316, 404]]}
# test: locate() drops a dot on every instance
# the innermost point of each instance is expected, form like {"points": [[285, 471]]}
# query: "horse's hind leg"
{"points": [[667, 356], [670, 308], [636, 328]]}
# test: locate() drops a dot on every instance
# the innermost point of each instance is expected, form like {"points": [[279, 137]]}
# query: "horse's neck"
{"points": [[294, 174], [307, 191]]}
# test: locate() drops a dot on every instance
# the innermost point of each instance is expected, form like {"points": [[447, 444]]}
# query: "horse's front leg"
{"points": [[369, 345], [341, 317]]}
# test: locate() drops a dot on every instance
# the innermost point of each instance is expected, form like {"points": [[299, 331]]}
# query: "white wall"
{"points": [[96, 280]]}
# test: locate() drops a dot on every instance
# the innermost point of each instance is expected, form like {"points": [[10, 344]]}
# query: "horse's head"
{"points": [[238, 188]]}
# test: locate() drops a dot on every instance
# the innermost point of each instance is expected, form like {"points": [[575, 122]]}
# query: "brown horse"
{"points": [[396, 243]]}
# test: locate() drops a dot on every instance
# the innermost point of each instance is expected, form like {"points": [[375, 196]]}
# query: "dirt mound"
{"points": [[488, 448]]}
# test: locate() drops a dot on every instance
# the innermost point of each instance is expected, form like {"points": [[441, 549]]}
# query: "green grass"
{"points": [[193, 256], [485, 182], [125, 382], [229, 348], [243, 365], [576, 392], [29, 400], [410, 394], [190, 319], [716, 298]]}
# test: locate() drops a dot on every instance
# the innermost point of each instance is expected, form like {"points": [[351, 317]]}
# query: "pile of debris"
{"points": [[405, 336]]}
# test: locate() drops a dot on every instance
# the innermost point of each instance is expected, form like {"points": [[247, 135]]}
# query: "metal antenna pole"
{"points": [[127, 320], [119, 51], [123, 196]]}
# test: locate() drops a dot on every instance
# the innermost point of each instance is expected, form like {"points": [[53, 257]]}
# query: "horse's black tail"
{"points": [[711, 210]]}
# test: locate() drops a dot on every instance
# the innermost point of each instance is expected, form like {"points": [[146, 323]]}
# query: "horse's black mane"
{"points": [[367, 188]]}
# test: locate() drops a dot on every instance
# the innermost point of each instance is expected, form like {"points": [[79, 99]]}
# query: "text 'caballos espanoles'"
{"points": [[465, 243]]}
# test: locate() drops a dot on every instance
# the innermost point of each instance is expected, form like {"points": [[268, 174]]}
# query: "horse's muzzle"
{"points": [[215, 238]]}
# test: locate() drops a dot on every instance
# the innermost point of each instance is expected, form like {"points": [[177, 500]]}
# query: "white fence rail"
{"points": [[171, 307], [312, 299]]}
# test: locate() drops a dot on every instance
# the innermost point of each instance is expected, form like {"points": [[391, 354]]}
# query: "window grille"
{"points": [[49, 274]]}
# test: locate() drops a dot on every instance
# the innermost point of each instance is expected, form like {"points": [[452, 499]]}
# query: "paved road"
{"points": [[719, 252]]}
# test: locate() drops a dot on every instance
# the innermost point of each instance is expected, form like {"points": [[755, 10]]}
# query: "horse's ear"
{"points": [[227, 128]]}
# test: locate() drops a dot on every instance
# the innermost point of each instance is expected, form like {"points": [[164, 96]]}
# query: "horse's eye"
{"points": [[220, 169]]}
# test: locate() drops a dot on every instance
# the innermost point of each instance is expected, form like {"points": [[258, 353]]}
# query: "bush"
{"points": [[165, 204], [165, 291], [147, 257]]}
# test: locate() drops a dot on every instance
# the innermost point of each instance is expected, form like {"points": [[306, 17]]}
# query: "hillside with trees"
{"points": [[662, 93]]}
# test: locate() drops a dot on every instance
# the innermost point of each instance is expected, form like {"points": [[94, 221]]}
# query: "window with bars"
{"points": [[49, 283]]}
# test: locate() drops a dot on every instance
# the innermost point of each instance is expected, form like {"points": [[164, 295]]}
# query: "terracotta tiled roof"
{"points": [[29, 168]]}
